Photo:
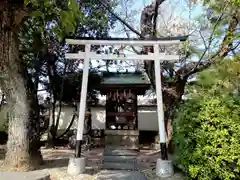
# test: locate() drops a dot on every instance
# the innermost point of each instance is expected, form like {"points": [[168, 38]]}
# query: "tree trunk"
{"points": [[21, 150], [172, 96], [172, 91], [52, 130]]}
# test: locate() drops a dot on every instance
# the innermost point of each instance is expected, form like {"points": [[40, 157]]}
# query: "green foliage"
{"points": [[63, 14], [72, 86], [41, 34], [207, 127], [220, 80]]}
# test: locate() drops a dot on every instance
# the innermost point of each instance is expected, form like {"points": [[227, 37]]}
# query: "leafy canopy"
{"points": [[50, 21], [64, 15]]}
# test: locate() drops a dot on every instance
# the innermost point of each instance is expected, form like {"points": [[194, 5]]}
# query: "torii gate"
{"points": [[164, 166]]}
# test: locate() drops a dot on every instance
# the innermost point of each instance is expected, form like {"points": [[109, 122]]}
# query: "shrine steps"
{"points": [[108, 151], [131, 148], [119, 159], [127, 139], [121, 150], [130, 159], [119, 166], [120, 175], [122, 132]]}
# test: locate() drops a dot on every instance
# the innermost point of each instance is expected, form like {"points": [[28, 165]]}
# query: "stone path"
{"points": [[151, 175], [34, 175], [120, 175]]}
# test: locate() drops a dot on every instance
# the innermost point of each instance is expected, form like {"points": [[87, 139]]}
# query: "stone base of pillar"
{"points": [[76, 166], [164, 168]]}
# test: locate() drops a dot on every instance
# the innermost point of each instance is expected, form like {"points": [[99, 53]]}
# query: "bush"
{"points": [[207, 132]]}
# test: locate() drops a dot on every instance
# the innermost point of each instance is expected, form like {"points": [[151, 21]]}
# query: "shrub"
{"points": [[207, 131]]}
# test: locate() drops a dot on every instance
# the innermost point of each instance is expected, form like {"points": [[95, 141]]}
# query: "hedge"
{"points": [[207, 134]]}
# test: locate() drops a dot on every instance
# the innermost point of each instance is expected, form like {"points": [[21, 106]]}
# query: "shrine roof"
{"points": [[125, 78]]}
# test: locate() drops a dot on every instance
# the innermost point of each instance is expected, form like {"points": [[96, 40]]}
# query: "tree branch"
{"points": [[157, 4], [224, 49], [128, 35], [148, 22], [210, 40], [121, 20], [236, 46]]}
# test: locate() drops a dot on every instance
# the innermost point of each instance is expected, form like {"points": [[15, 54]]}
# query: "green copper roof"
{"points": [[131, 78]]}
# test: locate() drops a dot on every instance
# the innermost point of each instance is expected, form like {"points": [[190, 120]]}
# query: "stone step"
{"points": [[119, 152], [133, 147], [119, 166], [122, 140], [120, 175], [129, 159], [121, 132]]}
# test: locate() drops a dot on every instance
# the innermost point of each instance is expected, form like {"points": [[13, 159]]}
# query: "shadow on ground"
{"points": [[2, 152], [59, 166], [54, 158], [55, 163]]}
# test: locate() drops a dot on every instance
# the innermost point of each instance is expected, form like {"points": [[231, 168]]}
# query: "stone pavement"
{"points": [[120, 175], [34, 175]]}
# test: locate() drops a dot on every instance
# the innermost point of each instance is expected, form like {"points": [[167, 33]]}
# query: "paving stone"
{"points": [[133, 147], [132, 159], [34, 175], [119, 152], [121, 175], [122, 132], [119, 166]]}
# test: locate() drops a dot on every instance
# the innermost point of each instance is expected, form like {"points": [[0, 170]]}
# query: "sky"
{"points": [[173, 8]]}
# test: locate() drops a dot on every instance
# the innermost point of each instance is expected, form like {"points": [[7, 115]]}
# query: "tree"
{"points": [[22, 151], [207, 127], [221, 30], [96, 23], [42, 25]]}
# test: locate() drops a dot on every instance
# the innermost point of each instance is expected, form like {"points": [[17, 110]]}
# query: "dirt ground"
{"points": [[56, 161]]}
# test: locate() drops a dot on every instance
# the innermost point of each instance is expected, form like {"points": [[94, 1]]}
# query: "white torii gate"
{"points": [[164, 166]]}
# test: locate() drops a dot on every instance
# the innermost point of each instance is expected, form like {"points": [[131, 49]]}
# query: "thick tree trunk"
{"points": [[21, 146]]}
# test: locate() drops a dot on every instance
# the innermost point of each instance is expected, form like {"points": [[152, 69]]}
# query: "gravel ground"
{"points": [[147, 160], [56, 161]]}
